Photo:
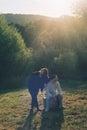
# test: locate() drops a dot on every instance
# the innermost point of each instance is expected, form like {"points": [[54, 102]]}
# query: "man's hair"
{"points": [[52, 76]]}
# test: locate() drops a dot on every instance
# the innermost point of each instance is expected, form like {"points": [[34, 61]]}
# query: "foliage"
{"points": [[23, 19], [13, 52], [80, 9], [58, 44]]}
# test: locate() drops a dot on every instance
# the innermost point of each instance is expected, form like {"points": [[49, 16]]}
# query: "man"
{"points": [[53, 93]]}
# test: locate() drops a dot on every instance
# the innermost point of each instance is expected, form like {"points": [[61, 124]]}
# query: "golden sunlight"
{"points": [[57, 8]]}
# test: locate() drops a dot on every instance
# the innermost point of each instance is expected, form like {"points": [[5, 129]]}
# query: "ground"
{"points": [[15, 110]]}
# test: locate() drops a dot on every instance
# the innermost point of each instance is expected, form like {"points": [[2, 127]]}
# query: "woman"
{"points": [[35, 83]]}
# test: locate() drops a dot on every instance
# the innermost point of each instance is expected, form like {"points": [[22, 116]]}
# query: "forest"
{"points": [[60, 44]]}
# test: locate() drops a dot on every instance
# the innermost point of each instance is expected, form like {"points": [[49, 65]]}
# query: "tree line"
{"points": [[60, 45]]}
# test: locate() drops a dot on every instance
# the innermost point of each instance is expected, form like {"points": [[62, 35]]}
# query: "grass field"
{"points": [[15, 113]]}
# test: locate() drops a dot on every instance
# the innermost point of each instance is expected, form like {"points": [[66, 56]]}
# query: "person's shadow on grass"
{"points": [[52, 120], [28, 123]]}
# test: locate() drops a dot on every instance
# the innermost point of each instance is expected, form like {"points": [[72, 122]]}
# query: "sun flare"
{"points": [[56, 8]]}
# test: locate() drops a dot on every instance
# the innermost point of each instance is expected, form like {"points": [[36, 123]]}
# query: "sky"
{"points": [[53, 8]]}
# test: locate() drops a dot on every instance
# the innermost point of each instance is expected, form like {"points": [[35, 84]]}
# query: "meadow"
{"points": [[15, 110]]}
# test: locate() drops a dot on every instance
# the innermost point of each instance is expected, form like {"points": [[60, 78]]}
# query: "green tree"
{"points": [[13, 52]]}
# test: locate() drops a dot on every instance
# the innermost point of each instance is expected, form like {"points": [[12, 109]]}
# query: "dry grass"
{"points": [[15, 113]]}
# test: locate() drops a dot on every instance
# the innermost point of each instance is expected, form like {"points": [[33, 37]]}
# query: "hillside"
{"points": [[24, 18], [15, 110]]}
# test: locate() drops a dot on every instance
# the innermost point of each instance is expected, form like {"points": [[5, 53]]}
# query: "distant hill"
{"points": [[24, 18]]}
